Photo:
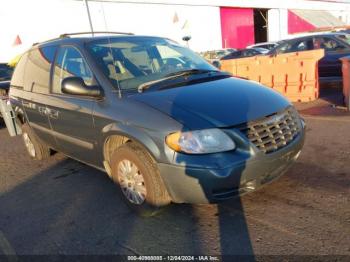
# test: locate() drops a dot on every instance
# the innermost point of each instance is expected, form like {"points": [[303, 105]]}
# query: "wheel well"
{"points": [[21, 119], [112, 143], [20, 115]]}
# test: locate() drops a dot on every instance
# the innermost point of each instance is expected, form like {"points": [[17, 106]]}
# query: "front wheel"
{"points": [[140, 183]]}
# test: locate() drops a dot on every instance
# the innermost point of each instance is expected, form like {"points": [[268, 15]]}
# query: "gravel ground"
{"points": [[60, 206]]}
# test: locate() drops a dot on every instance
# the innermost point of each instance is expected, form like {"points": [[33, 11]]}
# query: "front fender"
{"points": [[151, 141]]}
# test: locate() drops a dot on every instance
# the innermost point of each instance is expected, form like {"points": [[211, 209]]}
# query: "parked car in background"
{"points": [[265, 45], [217, 54], [214, 56], [336, 45], [248, 52], [165, 124], [260, 49], [5, 77]]}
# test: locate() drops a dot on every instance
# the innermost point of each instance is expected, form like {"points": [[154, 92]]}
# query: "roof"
{"points": [[315, 34], [319, 18], [262, 43]]}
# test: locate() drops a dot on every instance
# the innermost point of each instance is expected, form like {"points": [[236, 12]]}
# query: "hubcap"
{"points": [[29, 145], [131, 182]]}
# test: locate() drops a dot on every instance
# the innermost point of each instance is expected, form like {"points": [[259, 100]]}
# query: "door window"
{"points": [[303, 45], [297, 46], [250, 52], [283, 48], [70, 63], [344, 38], [328, 44]]}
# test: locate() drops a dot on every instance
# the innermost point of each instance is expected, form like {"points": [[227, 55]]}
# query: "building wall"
{"points": [[48, 19], [296, 24], [39, 20], [277, 24], [202, 23], [343, 15], [283, 4]]}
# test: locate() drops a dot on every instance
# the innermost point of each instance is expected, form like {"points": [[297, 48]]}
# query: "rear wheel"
{"points": [[137, 175], [35, 147], [3, 92]]}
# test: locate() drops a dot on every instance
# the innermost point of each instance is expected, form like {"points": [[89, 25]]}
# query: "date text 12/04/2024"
{"points": [[173, 258]]}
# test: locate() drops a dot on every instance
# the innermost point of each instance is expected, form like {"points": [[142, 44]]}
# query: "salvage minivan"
{"points": [[163, 123]]}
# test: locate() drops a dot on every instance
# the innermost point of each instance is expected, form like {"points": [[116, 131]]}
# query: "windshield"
{"points": [[132, 61], [5, 72]]}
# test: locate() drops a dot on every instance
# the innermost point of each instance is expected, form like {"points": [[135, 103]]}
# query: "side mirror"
{"points": [[186, 38], [217, 64], [77, 86]]}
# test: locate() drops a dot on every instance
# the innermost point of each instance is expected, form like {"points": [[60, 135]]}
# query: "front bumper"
{"points": [[210, 185]]}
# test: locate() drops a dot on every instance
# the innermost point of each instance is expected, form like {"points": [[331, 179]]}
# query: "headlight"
{"points": [[200, 141]]}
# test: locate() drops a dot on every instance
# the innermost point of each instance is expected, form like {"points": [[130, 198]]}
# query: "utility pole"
{"points": [[89, 16]]}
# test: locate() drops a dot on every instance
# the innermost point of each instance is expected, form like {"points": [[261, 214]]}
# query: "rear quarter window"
{"points": [[17, 80], [37, 73]]}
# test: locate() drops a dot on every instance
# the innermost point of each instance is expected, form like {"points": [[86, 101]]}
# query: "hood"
{"points": [[222, 103]]}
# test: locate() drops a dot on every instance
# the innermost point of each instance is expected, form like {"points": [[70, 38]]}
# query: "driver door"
{"points": [[71, 115]]}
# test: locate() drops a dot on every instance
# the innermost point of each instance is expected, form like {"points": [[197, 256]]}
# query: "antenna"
{"points": [[89, 16], [110, 48]]}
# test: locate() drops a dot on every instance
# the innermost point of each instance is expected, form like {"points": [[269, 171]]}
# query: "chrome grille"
{"points": [[273, 132]]}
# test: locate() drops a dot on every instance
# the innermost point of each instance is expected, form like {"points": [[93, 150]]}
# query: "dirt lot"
{"points": [[63, 207]]}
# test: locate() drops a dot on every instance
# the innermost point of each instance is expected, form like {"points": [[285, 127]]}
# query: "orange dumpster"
{"points": [[295, 75]]}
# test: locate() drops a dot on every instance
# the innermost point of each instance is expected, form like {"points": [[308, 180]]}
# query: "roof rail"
{"points": [[46, 41], [97, 32], [81, 33]]}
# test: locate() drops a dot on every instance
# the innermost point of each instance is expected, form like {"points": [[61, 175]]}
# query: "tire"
{"points": [[153, 196], [35, 147]]}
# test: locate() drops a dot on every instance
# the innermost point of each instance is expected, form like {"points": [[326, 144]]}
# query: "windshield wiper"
{"points": [[192, 72], [174, 75]]}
